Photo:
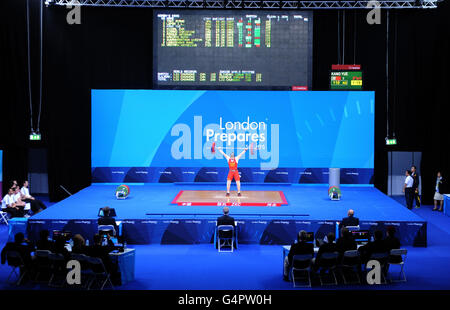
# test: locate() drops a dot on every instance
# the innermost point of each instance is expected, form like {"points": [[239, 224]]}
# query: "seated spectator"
{"points": [[376, 246], [350, 220], [10, 206], [44, 243], [301, 247], [35, 204], [345, 243], [328, 247], [102, 252], [79, 245], [17, 196], [392, 242], [107, 219], [60, 247], [22, 246]]}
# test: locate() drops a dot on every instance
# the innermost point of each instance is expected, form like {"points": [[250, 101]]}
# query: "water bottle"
{"points": [[87, 242]]}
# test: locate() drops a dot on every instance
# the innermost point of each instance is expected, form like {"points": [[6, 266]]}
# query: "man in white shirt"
{"points": [[17, 196], [36, 204], [408, 189], [10, 206]]}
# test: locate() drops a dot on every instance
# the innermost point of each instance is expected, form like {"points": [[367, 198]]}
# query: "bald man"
{"points": [[350, 220], [225, 219]]}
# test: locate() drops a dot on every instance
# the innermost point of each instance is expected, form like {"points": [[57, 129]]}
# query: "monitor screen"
{"points": [[232, 48], [361, 235], [67, 235], [112, 212]]}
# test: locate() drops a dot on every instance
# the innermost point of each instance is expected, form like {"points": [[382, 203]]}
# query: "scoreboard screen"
{"points": [[346, 80], [227, 49]]}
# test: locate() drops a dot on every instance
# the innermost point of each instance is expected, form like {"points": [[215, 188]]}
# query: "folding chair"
{"points": [[4, 217], [328, 262], [351, 261], [43, 265], [15, 261], [225, 237], [99, 272], [301, 263], [383, 259], [58, 268], [398, 257], [87, 275], [106, 229]]}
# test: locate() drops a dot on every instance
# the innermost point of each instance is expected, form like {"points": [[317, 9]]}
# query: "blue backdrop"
{"points": [[166, 135]]}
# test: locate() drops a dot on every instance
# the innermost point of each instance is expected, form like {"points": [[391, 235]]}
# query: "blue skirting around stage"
{"points": [[148, 217]]}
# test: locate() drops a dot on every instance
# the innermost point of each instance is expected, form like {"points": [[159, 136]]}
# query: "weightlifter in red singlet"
{"points": [[233, 173]]}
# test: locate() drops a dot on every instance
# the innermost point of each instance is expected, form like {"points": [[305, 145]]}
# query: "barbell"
{"points": [[252, 148]]}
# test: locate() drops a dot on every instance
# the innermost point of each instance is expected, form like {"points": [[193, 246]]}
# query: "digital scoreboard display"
{"points": [[232, 49], [346, 80]]}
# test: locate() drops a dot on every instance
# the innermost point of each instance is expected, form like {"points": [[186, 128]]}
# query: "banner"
{"points": [[166, 135]]}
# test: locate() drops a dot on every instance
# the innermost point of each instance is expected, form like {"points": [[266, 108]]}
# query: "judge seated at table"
{"points": [[225, 219], [107, 219], [301, 247], [350, 220]]}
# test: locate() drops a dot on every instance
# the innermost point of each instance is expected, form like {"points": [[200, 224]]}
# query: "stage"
{"points": [[148, 215]]}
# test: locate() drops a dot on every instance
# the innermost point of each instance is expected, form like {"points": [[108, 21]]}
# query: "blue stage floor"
{"points": [[369, 204], [148, 217]]}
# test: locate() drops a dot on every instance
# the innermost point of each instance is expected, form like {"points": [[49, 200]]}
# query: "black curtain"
{"points": [[15, 110], [112, 48]]}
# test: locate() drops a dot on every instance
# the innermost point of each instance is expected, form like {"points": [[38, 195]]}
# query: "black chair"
{"points": [[397, 257], [351, 263], [328, 262], [99, 273], [59, 271], [43, 266], [225, 237], [301, 264], [87, 275], [382, 258], [16, 262]]}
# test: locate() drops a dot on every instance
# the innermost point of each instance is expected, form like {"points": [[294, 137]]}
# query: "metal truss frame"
{"points": [[251, 4]]}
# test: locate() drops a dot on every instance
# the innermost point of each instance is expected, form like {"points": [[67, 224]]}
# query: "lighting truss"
{"points": [[250, 4]]}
